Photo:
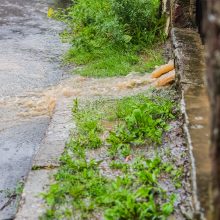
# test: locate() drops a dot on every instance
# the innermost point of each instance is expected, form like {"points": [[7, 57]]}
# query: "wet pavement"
{"points": [[30, 47], [30, 51]]}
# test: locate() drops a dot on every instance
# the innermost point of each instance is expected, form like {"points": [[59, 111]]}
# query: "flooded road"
{"points": [[30, 52]]}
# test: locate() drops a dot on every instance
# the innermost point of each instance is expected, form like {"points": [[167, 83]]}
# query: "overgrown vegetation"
{"points": [[141, 121], [113, 37], [81, 189]]}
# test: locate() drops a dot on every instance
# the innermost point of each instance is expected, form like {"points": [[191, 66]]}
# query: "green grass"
{"points": [[107, 63], [113, 38], [81, 191], [149, 59], [111, 62]]}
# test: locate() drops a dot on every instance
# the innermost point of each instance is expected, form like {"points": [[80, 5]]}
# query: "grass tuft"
{"points": [[81, 191]]}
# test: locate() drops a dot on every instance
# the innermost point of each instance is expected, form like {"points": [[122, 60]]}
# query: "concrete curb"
{"points": [[190, 68], [45, 162]]}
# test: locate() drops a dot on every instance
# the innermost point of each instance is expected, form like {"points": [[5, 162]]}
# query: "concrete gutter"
{"points": [[190, 68], [46, 162]]}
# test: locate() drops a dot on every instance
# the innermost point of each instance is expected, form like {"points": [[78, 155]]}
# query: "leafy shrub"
{"points": [[115, 22], [141, 121], [140, 19], [101, 29]]}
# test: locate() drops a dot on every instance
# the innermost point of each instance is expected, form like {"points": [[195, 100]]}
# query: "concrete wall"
{"points": [[181, 13]]}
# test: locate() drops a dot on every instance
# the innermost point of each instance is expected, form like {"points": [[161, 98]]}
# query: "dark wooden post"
{"points": [[212, 31]]}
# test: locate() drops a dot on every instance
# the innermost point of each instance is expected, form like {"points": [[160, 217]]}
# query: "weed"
{"points": [[135, 195], [142, 121], [36, 167], [88, 126], [19, 188], [16, 192], [134, 14], [81, 191], [119, 166]]}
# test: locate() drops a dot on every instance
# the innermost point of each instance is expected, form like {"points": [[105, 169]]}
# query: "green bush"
{"points": [[140, 19], [116, 22], [99, 29]]}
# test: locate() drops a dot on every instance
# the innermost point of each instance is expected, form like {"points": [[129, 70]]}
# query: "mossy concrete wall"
{"points": [[191, 82]]}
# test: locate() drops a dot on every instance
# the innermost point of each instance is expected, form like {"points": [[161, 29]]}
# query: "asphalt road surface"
{"points": [[30, 51]]}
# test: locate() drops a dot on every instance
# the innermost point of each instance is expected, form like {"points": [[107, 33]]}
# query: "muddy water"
{"points": [[41, 102]]}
